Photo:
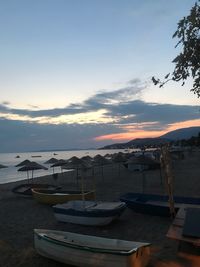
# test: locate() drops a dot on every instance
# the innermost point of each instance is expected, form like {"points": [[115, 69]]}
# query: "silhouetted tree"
{"points": [[187, 62]]}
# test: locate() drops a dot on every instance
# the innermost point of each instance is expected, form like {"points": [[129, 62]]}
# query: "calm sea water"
{"points": [[11, 174]]}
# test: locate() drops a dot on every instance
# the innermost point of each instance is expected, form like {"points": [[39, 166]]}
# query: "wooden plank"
{"points": [[176, 229], [191, 227], [176, 233], [178, 222]]}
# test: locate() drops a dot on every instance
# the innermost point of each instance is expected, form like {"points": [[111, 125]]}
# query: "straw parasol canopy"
{"points": [[86, 158], [80, 165], [144, 160], [31, 166], [3, 166], [74, 160], [59, 163], [77, 164], [119, 157], [51, 161], [100, 161], [144, 163], [23, 163]]}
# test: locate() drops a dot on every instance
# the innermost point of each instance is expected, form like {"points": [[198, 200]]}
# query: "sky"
{"points": [[77, 74]]}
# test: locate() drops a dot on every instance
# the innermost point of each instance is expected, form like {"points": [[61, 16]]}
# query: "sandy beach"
{"points": [[20, 215]]}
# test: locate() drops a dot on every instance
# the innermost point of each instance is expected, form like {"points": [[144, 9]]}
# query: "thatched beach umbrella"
{"points": [[100, 161], [86, 158], [31, 166], [77, 164], [3, 166], [144, 163], [119, 158], [51, 161], [58, 163], [23, 163]]}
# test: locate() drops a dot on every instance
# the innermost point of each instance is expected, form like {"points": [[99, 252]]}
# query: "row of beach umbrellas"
{"points": [[84, 163]]}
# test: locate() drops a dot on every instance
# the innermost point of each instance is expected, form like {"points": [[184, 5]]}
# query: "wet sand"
{"points": [[20, 215]]}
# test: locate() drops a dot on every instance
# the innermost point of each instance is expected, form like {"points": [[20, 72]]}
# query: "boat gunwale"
{"points": [[90, 212], [36, 192], [87, 248]]}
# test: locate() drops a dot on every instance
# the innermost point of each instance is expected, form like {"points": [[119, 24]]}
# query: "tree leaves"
{"points": [[187, 62]]}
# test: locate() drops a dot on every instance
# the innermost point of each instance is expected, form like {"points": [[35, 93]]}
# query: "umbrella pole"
{"points": [[77, 177], [143, 181], [28, 177], [82, 189], [94, 186]]}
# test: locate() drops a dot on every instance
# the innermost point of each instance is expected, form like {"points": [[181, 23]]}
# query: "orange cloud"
{"points": [[139, 133]]}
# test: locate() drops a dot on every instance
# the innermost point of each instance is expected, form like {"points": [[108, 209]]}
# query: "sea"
{"points": [[11, 173]]}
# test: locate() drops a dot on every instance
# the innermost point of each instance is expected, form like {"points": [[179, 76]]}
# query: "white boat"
{"points": [[89, 251], [88, 212]]}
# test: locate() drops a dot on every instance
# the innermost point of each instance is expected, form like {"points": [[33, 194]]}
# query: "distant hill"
{"points": [[183, 133]]}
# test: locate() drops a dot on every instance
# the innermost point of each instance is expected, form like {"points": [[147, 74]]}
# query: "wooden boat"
{"points": [[25, 189], [54, 197], [89, 251], [155, 204], [88, 212]]}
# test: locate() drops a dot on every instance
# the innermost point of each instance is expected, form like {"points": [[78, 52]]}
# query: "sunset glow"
{"points": [[138, 133], [78, 74], [79, 118]]}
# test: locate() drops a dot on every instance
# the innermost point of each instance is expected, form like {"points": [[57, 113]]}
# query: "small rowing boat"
{"points": [[25, 189], [88, 251], [54, 197]]}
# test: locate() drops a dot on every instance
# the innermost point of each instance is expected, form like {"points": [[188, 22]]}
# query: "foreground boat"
{"points": [[25, 189], [54, 197], [155, 204], [89, 251], [88, 212]]}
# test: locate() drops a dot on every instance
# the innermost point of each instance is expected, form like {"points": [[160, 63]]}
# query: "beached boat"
{"points": [[88, 212], [54, 197], [156, 204], [25, 189], [89, 251]]}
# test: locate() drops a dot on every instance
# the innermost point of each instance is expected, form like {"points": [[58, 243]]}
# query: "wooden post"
{"points": [[167, 167]]}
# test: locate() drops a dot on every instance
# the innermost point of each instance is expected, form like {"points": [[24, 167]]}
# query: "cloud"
{"points": [[18, 136], [116, 107], [105, 116], [101, 100], [5, 103]]}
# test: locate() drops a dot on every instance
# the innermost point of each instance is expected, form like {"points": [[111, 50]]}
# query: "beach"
{"points": [[20, 215]]}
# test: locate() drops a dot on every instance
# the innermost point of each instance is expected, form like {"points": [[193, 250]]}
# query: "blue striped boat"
{"points": [[88, 212], [155, 204]]}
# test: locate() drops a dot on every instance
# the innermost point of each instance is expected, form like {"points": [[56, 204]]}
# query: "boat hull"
{"points": [[25, 189], [88, 212], [155, 204], [52, 198], [88, 256]]}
